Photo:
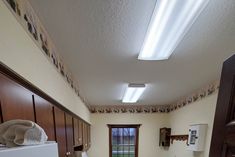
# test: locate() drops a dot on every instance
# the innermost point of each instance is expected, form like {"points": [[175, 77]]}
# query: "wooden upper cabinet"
{"points": [[85, 140], [44, 116], [80, 130], [75, 132], [89, 136], [60, 131], [69, 134], [0, 112], [16, 101]]}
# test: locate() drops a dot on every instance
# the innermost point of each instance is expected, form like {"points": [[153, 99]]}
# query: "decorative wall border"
{"points": [[196, 96], [130, 109], [27, 17]]}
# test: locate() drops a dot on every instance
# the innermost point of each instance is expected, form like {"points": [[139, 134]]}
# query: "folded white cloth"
{"points": [[21, 133], [78, 153], [84, 154]]}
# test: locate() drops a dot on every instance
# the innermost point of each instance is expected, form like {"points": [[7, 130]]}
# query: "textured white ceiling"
{"points": [[100, 41]]}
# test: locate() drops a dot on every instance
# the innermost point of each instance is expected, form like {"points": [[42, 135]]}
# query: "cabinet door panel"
{"points": [[75, 131], [60, 131], [0, 112], [69, 134], [16, 101], [80, 134], [44, 116], [89, 136], [85, 145]]}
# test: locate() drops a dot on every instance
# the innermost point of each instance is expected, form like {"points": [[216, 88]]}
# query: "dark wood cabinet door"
{"points": [[89, 136], [75, 132], [69, 134], [223, 138], [44, 116], [59, 118], [84, 136], [16, 101], [80, 132], [1, 113]]}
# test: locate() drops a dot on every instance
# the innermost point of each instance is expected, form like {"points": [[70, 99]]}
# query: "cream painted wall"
{"points": [[20, 53], [201, 111], [148, 133]]}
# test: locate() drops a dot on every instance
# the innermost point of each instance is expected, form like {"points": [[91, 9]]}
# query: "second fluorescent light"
{"points": [[133, 93], [170, 21]]}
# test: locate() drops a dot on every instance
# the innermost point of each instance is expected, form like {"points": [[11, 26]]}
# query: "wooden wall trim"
{"points": [[34, 109], [5, 70], [124, 125], [1, 117]]}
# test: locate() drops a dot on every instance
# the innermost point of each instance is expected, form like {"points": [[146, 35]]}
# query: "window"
{"points": [[123, 140]]}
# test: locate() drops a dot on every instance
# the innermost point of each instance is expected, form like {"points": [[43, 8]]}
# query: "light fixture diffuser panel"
{"points": [[170, 21], [133, 93]]}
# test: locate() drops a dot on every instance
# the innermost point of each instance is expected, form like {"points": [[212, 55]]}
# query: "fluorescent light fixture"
{"points": [[170, 21], [133, 93]]}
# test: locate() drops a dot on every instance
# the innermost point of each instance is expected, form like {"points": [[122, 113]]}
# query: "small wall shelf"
{"points": [[179, 138]]}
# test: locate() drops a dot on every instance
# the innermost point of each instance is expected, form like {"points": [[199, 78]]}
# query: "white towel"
{"points": [[84, 154], [78, 153], [21, 133]]}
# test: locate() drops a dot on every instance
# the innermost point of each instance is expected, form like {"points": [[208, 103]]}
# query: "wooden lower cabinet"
{"points": [[16, 101], [59, 118], [44, 116]]}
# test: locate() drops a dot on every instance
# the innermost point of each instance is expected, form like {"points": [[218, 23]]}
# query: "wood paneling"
{"points": [[60, 131], [44, 116], [16, 101], [69, 134]]}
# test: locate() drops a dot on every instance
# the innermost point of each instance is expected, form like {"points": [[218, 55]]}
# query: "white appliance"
{"points": [[80, 154], [197, 135], [48, 149]]}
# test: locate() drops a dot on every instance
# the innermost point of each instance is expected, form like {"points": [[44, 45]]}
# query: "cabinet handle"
{"points": [[68, 153]]}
